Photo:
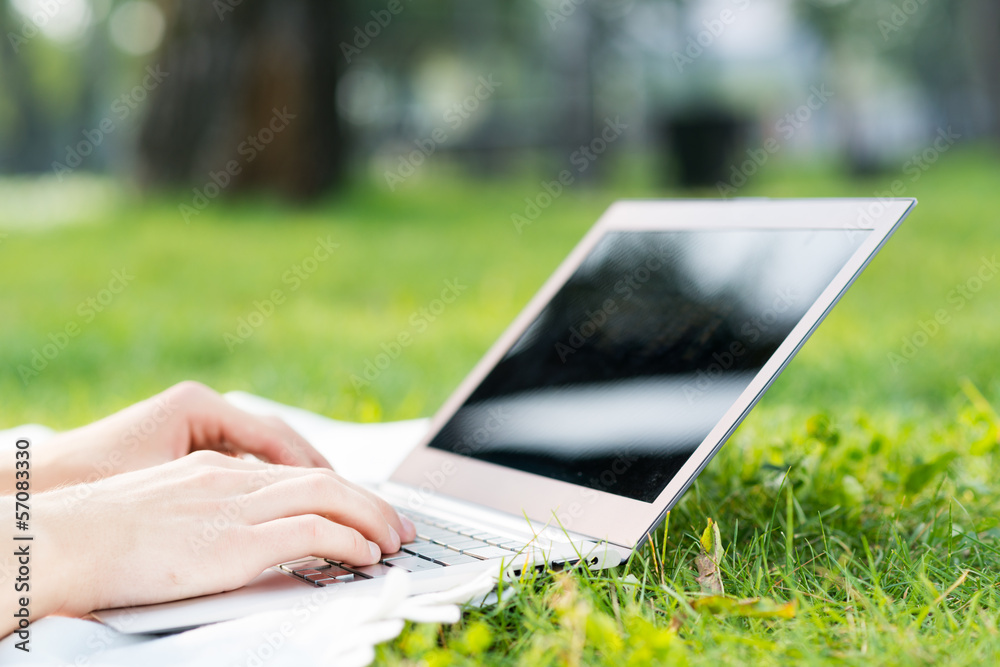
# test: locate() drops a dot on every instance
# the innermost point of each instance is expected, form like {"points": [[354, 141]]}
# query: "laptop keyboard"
{"points": [[438, 544]]}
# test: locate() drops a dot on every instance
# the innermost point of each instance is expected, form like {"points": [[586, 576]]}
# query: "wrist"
{"points": [[52, 465], [56, 464], [32, 583], [63, 577], [48, 574]]}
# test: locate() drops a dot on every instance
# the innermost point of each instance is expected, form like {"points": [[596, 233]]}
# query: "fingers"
{"points": [[276, 491], [290, 437], [324, 495], [268, 439], [403, 526], [214, 423], [308, 535]]}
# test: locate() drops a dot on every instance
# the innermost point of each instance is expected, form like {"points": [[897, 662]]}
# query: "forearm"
{"points": [[51, 464], [30, 575], [44, 476], [41, 479]]}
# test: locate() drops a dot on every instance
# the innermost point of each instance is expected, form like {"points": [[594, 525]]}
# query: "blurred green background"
{"points": [[193, 284], [203, 148]]}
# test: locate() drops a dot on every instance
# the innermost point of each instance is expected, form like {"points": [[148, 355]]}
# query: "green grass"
{"points": [[866, 494], [879, 574]]}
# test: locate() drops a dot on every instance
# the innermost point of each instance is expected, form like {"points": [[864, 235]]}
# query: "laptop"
{"points": [[598, 407]]}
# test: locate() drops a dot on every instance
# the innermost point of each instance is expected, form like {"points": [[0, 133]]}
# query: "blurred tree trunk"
{"points": [[982, 24], [24, 146], [235, 72]]}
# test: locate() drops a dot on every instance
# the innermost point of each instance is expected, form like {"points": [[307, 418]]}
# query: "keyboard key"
{"points": [[337, 572], [303, 564], [495, 540], [399, 554], [423, 525], [460, 537], [436, 551], [305, 573], [329, 582], [333, 575], [486, 553], [428, 520], [439, 535], [431, 533], [414, 564], [513, 545], [462, 545], [419, 540], [417, 545], [483, 535], [454, 558], [370, 571]]}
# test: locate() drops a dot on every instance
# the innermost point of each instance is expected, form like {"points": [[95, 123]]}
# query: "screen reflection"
{"points": [[642, 351]]}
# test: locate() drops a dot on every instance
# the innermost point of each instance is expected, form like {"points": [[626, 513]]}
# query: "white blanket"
{"points": [[339, 632]]}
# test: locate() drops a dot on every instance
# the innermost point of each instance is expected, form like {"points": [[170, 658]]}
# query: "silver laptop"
{"points": [[597, 408]]}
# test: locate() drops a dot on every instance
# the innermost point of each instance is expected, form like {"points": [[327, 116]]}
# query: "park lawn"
{"points": [[860, 489]]}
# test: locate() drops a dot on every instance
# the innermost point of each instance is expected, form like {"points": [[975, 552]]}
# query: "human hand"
{"points": [[185, 418], [202, 524]]}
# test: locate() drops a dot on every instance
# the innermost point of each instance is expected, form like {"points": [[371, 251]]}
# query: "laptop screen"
{"points": [[642, 351]]}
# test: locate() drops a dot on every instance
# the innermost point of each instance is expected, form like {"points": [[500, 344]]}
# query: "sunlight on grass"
{"points": [[42, 203]]}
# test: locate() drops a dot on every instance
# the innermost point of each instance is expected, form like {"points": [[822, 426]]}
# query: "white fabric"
{"points": [[342, 631], [365, 453], [337, 632], [34, 433]]}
